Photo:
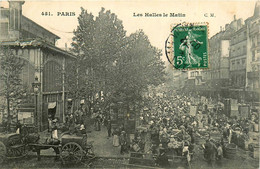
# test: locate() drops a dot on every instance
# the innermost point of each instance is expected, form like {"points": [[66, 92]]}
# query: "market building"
{"points": [[44, 66]]}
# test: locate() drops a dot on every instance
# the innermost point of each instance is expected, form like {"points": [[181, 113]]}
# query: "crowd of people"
{"points": [[172, 126]]}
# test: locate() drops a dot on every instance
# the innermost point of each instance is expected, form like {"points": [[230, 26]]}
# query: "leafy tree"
{"points": [[140, 66], [107, 60], [10, 69], [97, 44]]}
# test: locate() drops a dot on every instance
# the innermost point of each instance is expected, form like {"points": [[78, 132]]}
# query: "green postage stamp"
{"points": [[190, 46]]}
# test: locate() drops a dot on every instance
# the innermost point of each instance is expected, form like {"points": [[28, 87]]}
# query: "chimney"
{"points": [[15, 9], [220, 28], [66, 47], [240, 23], [226, 26], [235, 17]]}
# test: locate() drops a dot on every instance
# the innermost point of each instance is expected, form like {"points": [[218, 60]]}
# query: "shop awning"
{"points": [[51, 105]]}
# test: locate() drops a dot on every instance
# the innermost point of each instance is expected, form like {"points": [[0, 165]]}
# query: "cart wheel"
{"points": [[71, 153], [2, 152]]}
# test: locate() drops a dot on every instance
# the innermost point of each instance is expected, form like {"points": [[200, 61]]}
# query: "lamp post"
{"points": [[36, 88]]}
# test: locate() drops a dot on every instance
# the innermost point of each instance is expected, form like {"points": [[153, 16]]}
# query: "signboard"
{"points": [[26, 117], [234, 110]]}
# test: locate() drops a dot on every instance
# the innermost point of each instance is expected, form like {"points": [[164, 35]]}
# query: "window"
{"points": [[244, 49], [233, 65], [253, 55], [243, 61], [4, 29]]}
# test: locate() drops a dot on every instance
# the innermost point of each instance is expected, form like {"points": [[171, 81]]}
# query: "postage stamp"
{"points": [[190, 46]]}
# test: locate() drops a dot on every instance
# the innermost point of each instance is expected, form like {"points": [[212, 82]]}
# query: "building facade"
{"points": [[253, 53], [234, 62], [43, 60]]}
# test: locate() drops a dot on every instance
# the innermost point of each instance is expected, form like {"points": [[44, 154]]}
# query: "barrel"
{"points": [[230, 151]]}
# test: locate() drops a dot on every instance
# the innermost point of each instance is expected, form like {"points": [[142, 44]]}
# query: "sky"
{"points": [[156, 28]]}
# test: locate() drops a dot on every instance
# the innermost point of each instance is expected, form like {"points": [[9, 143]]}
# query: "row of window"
{"points": [[241, 50], [238, 64], [239, 37]]}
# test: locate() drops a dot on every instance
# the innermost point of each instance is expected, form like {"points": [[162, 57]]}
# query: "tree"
{"points": [[97, 44], [140, 66], [10, 69], [108, 61]]}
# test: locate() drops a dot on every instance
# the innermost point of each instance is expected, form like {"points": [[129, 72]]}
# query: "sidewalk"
{"points": [[103, 146]]}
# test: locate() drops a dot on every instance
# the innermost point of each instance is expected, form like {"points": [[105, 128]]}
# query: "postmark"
{"points": [[187, 46]]}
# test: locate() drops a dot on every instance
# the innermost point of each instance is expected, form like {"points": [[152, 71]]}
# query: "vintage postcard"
{"points": [[129, 84]]}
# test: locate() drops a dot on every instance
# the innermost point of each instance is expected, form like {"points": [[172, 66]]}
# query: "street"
{"points": [[110, 157]]}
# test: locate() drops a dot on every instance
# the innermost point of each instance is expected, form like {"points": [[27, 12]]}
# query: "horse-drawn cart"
{"points": [[70, 149]]}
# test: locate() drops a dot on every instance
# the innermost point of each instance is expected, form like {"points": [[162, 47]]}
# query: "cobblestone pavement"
{"points": [[103, 146]]}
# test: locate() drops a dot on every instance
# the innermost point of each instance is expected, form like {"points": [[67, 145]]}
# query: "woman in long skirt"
{"points": [[116, 138]]}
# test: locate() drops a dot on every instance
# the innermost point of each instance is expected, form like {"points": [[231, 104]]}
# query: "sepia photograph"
{"points": [[148, 84]]}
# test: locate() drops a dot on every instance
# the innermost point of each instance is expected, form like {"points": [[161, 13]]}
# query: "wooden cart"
{"points": [[76, 149]]}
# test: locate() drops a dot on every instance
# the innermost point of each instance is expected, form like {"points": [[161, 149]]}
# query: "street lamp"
{"points": [[36, 86]]}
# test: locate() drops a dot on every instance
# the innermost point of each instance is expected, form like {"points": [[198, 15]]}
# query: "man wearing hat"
{"points": [[109, 126]]}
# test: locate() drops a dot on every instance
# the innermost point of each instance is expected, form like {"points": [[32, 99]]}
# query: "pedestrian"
{"points": [[71, 123], [97, 122], [186, 153], [54, 132], [115, 138], [123, 142], [18, 127], [219, 154], [109, 128], [210, 152], [49, 123], [82, 128], [229, 131], [162, 159]]}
